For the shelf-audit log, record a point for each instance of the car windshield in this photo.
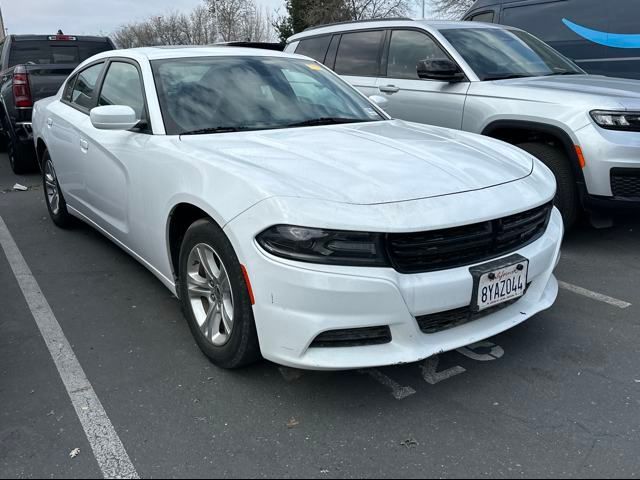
(226, 94)
(496, 54)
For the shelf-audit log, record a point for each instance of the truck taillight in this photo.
(21, 89)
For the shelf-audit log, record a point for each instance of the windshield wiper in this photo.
(206, 131)
(563, 73)
(506, 77)
(325, 121)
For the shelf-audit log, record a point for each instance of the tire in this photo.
(21, 158)
(53, 197)
(219, 312)
(566, 199)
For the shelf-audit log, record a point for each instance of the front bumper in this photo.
(295, 303)
(607, 151)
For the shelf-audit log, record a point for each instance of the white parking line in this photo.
(398, 391)
(107, 448)
(594, 295)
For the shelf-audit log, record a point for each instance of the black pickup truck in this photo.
(33, 67)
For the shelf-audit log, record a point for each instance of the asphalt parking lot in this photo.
(556, 397)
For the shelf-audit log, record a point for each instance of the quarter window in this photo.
(123, 86)
(359, 54)
(68, 89)
(407, 48)
(84, 89)
(315, 48)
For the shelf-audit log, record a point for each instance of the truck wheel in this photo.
(22, 160)
(567, 195)
(215, 298)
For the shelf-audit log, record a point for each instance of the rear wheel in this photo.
(53, 195)
(21, 158)
(567, 194)
(215, 298)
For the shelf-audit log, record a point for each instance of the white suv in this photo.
(501, 82)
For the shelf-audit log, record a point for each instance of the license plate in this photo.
(499, 282)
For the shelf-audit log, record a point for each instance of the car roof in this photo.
(166, 53)
(426, 24)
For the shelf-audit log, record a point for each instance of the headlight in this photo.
(629, 121)
(334, 247)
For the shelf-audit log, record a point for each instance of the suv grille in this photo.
(356, 337)
(625, 182)
(468, 245)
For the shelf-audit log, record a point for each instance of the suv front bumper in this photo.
(609, 154)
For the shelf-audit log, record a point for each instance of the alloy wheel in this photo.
(210, 294)
(53, 190)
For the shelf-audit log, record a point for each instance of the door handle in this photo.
(390, 89)
(84, 145)
(49, 122)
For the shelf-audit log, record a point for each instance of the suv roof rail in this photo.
(351, 22)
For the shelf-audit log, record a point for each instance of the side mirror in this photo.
(114, 117)
(379, 100)
(443, 69)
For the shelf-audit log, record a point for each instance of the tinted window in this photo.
(253, 93)
(315, 48)
(483, 17)
(84, 89)
(47, 53)
(407, 49)
(359, 53)
(122, 86)
(496, 54)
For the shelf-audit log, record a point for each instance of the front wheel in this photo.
(53, 195)
(215, 297)
(566, 198)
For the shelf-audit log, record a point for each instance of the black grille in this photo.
(439, 322)
(625, 182)
(468, 245)
(356, 337)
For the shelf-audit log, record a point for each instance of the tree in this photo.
(453, 9)
(211, 22)
(302, 14)
(240, 20)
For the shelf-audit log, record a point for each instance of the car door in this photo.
(414, 99)
(66, 120)
(358, 59)
(110, 156)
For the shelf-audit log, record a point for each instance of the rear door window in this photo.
(315, 48)
(359, 54)
(84, 89)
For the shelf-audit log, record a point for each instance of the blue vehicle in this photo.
(603, 37)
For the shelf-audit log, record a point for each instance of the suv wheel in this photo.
(215, 298)
(567, 195)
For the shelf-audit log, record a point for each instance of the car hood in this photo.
(617, 92)
(366, 163)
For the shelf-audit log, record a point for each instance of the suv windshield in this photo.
(226, 94)
(496, 54)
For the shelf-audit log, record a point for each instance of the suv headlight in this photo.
(333, 247)
(628, 121)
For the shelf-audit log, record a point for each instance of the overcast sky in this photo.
(85, 17)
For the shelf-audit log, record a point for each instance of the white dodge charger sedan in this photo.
(291, 215)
